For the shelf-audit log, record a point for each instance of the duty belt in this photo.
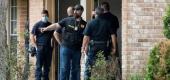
(99, 42)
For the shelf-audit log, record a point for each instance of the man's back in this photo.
(112, 19)
(99, 29)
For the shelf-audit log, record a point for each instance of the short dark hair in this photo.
(45, 12)
(99, 11)
(79, 7)
(105, 6)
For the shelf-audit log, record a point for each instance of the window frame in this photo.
(12, 34)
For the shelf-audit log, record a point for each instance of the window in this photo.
(13, 25)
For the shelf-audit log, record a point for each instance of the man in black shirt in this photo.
(112, 19)
(109, 16)
(115, 24)
(42, 43)
(70, 12)
(96, 35)
(70, 50)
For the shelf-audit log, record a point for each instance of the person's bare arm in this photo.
(33, 40)
(113, 43)
(50, 27)
(57, 36)
(86, 40)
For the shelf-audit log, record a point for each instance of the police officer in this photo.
(42, 42)
(70, 50)
(96, 36)
(58, 36)
(112, 19)
(109, 16)
(70, 12)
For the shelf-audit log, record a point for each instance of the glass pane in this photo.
(13, 27)
(13, 13)
(13, 46)
(13, 2)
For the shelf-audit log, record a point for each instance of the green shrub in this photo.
(105, 70)
(166, 22)
(158, 67)
(99, 68)
(136, 77)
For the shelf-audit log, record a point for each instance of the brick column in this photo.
(22, 19)
(21, 23)
(141, 28)
(35, 8)
(125, 67)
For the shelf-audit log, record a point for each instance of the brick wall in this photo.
(21, 22)
(141, 28)
(22, 19)
(35, 8)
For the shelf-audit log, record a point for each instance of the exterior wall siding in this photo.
(141, 29)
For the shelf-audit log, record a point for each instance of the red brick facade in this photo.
(22, 19)
(141, 28)
(35, 8)
(22, 16)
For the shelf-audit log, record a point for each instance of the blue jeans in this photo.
(91, 58)
(43, 60)
(69, 64)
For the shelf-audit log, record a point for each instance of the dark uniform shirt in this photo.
(112, 19)
(42, 38)
(60, 30)
(99, 29)
(115, 24)
(72, 33)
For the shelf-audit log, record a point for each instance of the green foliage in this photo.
(105, 70)
(158, 67)
(99, 69)
(15, 64)
(136, 77)
(152, 66)
(166, 22)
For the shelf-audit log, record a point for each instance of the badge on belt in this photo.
(82, 26)
(75, 28)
